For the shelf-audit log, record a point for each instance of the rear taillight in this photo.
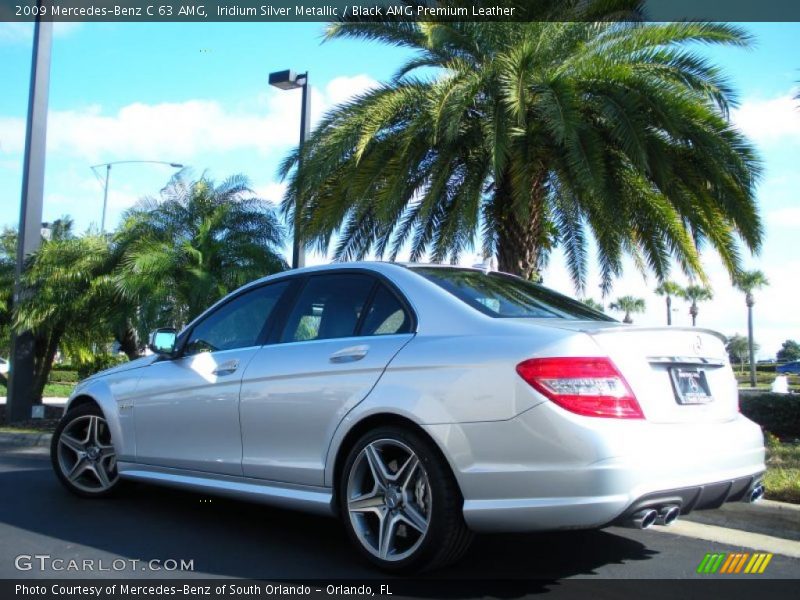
(590, 386)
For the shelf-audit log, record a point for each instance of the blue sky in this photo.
(197, 94)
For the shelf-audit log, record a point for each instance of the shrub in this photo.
(61, 375)
(778, 414)
(100, 362)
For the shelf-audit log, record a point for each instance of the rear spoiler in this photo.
(624, 327)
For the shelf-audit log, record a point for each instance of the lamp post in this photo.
(289, 80)
(108, 165)
(20, 381)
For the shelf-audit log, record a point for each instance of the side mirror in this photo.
(162, 341)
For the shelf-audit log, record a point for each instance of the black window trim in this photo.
(276, 322)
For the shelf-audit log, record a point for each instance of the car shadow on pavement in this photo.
(238, 539)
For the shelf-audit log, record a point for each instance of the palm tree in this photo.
(194, 244)
(530, 135)
(61, 303)
(748, 282)
(668, 289)
(629, 305)
(737, 348)
(694, 294)
(592, 303)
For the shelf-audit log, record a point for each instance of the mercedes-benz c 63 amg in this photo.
(421, 404)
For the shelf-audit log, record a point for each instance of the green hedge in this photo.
(100, 362)
(60, 375)
(777, 413)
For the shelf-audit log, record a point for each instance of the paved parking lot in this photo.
(234, 539)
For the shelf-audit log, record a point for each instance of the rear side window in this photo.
(328, 307)
(385, 315)
(504, 296)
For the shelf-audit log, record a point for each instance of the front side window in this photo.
(328, 307)
(237, 324)
(501, 295)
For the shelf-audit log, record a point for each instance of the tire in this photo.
(414, 498)
(82, 453)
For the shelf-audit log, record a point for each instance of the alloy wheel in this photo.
(389, 499)
(86, 455)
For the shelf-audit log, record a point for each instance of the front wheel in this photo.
(83, 455)
(400, 503)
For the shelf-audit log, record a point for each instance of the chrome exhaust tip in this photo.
(756, 494)
(667, 515)
(642, 519)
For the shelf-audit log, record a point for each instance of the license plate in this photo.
(691, 386)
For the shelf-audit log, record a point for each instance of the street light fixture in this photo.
(289, 80)
(108, 165)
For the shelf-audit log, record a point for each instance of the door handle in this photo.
(226, 368)
(351, 354)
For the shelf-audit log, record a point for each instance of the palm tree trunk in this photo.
(44, 362)
(693, 311)
(518, 243)
(750, 345)
(128, 342)
(669, 310)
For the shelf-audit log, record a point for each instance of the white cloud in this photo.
(180, 131)
(769, 120)
(788, 217)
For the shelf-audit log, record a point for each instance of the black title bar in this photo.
(401, 10)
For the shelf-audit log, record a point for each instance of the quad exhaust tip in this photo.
(756, 494)
(643, 519)
(667, 515)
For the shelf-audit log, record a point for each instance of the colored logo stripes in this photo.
(734, 562)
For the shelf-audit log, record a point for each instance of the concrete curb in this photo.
(767, 517)
(25, 440)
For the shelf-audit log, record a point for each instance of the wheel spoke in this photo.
(94, 430)
(409, 514)
(406, 473)
(100, 473)
(369, 502)
(77, 469)
(380, 473)
(71, 443)
(386, 533)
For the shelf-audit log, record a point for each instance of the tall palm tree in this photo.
(531, 135)
(629, 305)
(669, 289)
(696, 293)
(748, 282)
(194, 244)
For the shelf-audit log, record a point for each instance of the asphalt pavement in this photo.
(224, 538)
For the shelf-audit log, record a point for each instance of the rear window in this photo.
(504, 296)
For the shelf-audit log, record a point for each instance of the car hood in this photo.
(144, 361)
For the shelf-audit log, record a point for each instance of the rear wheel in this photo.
(83, 455)
(401, 505)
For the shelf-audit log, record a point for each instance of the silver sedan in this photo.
(421, 404)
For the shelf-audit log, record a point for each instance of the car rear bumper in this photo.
(548, 469)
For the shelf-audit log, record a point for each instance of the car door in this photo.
(186, 410)
(341, 332)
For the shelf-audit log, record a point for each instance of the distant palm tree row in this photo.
(745, 281)
(170, 258)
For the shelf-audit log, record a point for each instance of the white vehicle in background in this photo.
(3, 366)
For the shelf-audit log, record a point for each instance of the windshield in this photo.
(504, 296)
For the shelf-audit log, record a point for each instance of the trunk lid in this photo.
(678, 374)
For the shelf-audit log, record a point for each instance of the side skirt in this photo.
(316, 500)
